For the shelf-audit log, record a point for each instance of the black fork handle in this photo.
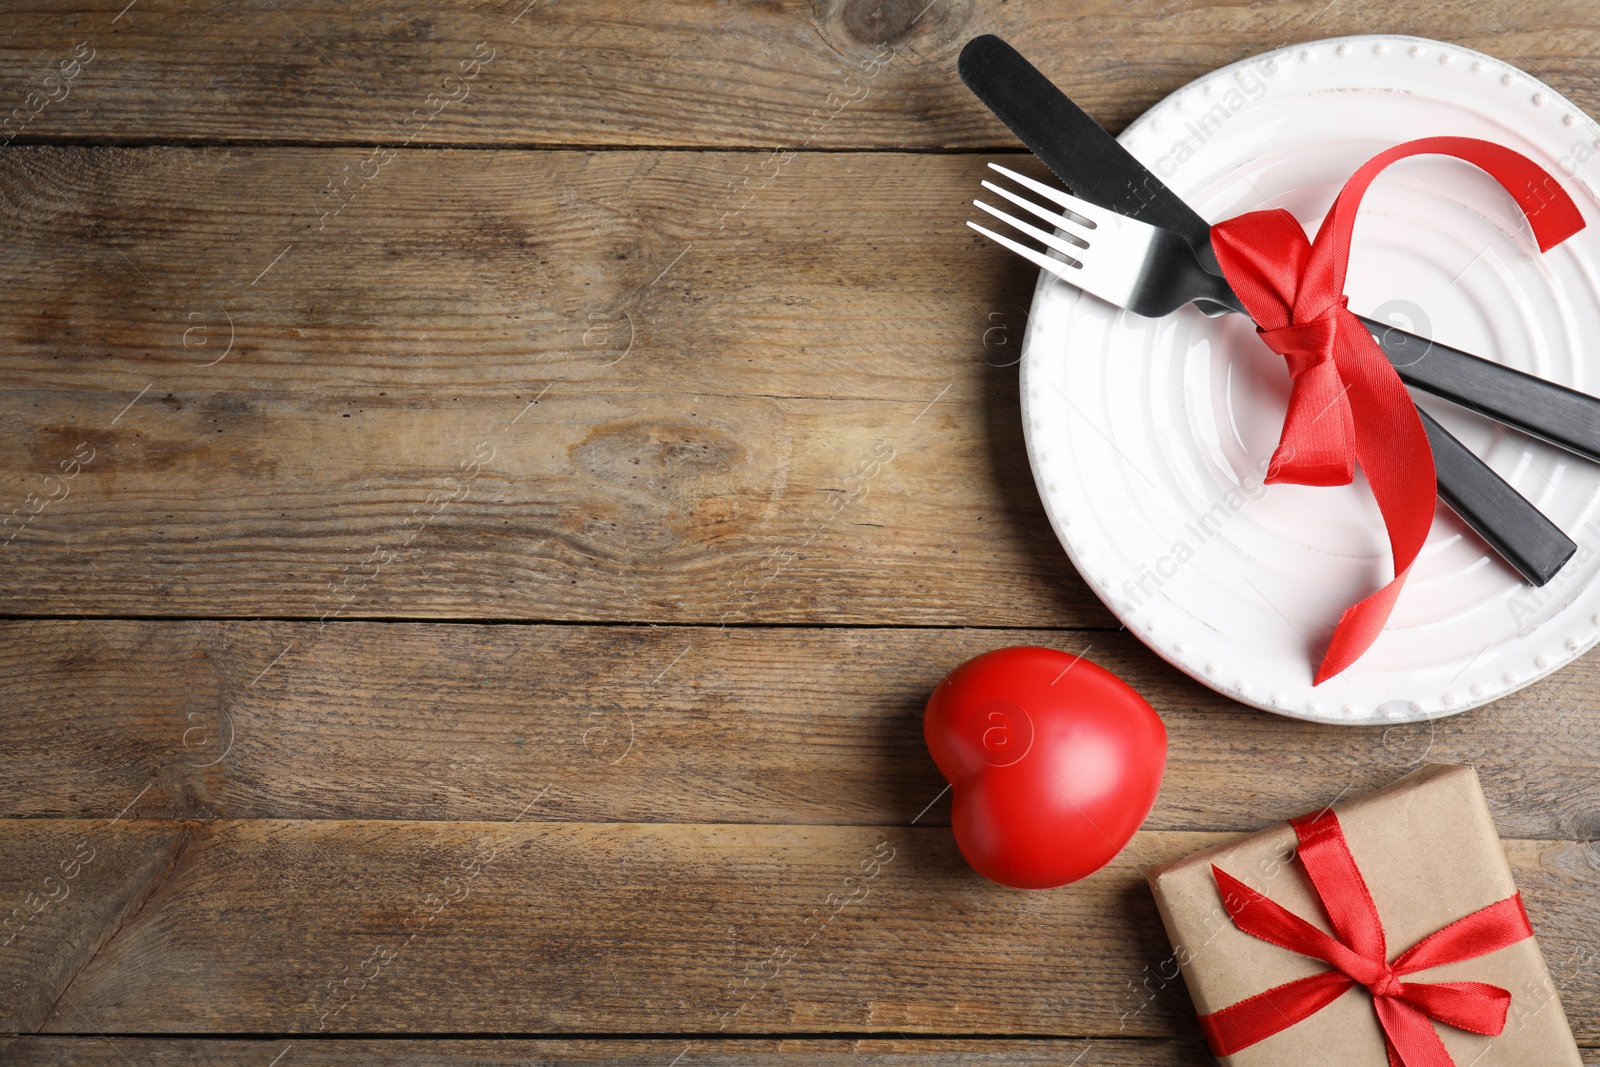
(1555, 413)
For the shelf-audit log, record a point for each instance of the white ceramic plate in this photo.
(1148, 437)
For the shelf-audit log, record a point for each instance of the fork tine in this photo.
(1095, 216)
(1059, 221)
(1039, 259)
(1073, 252)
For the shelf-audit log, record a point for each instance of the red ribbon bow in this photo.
(1361, 956)
(1347, 404)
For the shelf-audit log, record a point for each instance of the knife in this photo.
(1096, 167)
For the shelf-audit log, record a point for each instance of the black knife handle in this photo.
(1516, 529)
(1565, 417)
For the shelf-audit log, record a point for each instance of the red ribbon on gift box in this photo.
(1347, 404)
(1360, 954)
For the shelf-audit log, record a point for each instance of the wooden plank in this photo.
(662, 724)
(375, 927)
(95, 1051)
(66, 890)
(850, 74)
(514, 385)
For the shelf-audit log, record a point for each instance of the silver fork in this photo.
(1148, 270)
(1152, 271)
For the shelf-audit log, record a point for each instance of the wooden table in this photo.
(497, 483)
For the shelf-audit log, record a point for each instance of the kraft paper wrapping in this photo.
(1428, 850)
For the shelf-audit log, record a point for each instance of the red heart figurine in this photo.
(1053, 762)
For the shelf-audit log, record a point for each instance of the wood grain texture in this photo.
(296, 370)
(66, 890)
(662, 724)
(285, 927)
(690, 73)
(515, 385)
(95, 1051)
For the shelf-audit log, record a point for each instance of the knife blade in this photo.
(1096, 167)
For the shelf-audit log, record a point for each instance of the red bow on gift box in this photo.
(1348, 403)
(1361, 957)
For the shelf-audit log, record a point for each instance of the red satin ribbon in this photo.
(1347, 404)
(1359, 953)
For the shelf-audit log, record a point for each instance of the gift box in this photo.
(1385, 930)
